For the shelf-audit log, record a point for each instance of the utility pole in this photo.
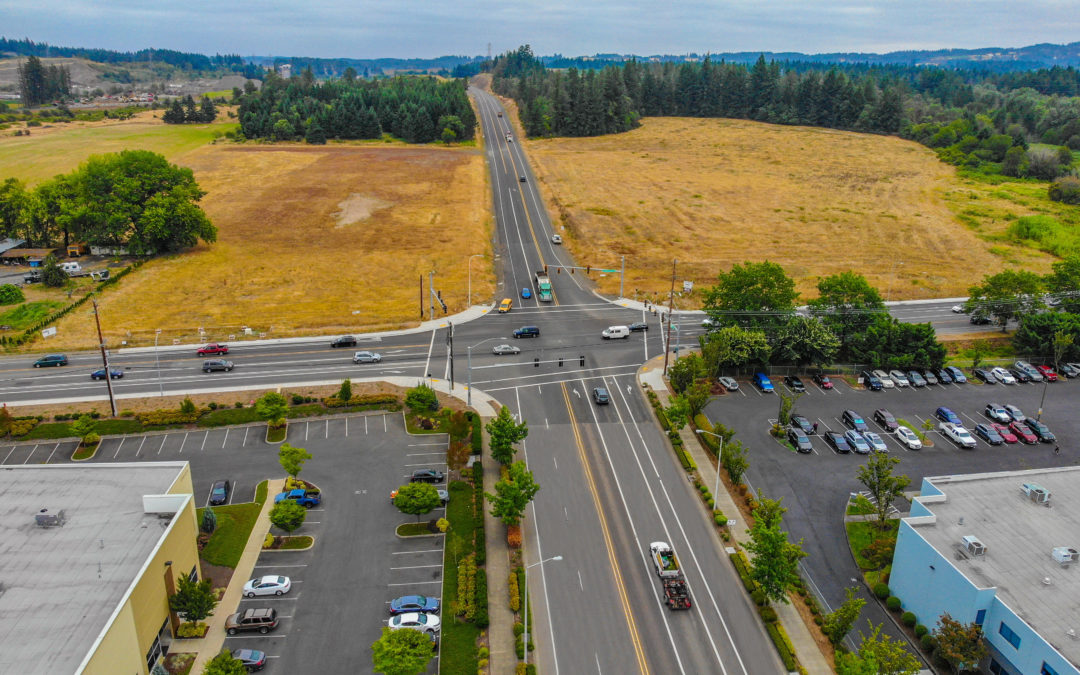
(671, 306)
(421, 297)
(431, 296)
(622, 276)
(105, 359)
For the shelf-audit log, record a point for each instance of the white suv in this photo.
(556, 239)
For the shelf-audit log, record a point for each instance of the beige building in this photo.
(88, 557)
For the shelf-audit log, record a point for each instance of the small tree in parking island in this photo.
(504, 432)
(287, 515)
(84, 428)
(225, 664)
(292, 459)
(416, 499)
(196, 600)
(401, 652)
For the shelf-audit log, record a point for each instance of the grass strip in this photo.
(277, 435)
(260, 493)
(459, 655)
(412, 529)
(234, 525)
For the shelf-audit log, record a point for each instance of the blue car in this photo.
(414, 603)
(957, 374)
(526, 293)
(762, 382)
(946, 415)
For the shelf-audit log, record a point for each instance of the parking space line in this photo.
(162, 443)
(257, 637)
(140, 446)
(365, 424)
(417, 583)
(205, 436)
(307, 425)
(428, 464)
(825, 424)
(423, 454)
(384, 424)
(419, 445)
(119, 446)
(327, 427)
(8, 455)
(973, 420)
(224, 440)
(265, 566)
(415, 567)
(246, 430)
(429, 550)
(182, 442)
(31, 454)
(52, 453)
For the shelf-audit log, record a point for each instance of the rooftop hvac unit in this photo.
(46, 519)
(973, 545)
(1065, 555)
(1036, 493)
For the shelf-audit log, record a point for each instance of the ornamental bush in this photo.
(893, 603)
(908, 619)
(881, 590)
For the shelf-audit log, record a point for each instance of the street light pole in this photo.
(474, 255)
(1046, 382)
(719, 457)
(525, 633)
(157, 361)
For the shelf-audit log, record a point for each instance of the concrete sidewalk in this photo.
(210, 646)
(806, 648)
(502, 659)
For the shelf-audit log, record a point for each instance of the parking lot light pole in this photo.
(468, 350)
(719, 455)
(1046, 382)
(474, 255)
(525, 633)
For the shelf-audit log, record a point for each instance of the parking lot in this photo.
(342, 587)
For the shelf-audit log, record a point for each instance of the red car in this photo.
(1048, 373)
(1023, 433)
(1003, 431)
(823, 381)
(213, 348)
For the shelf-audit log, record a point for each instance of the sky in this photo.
(424, 29)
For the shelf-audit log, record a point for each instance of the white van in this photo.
(613, 332)
(70, 267)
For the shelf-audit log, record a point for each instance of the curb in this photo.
(416, 536)
(92, 454)
(291, 550)
(267, 436)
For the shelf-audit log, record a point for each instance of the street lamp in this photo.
(468, 392)
(474, 255)
(525, 633)
(157, 360)
(719, 455)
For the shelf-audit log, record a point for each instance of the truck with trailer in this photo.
(676, 591)
(543, 287)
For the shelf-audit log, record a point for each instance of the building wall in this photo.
(118, 652)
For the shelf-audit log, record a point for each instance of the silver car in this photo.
(857, 442)
(875, 441)
(728, 383)
(366, 357)
(886, 381)
(899, 378)
(505, 349)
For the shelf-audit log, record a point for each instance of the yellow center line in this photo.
(631, 623)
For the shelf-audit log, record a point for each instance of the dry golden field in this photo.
(714, 192)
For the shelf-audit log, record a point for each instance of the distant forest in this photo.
(414, 109)
(183, 60)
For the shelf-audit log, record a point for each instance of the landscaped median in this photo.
(465, 600)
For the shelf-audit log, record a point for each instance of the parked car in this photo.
(556, 239)
(414, 603)
(217, 364)
(728, 383)
(877, 443)
(1003, 376)
(526, 293)
(1075, 368)
(822, 380)
(429, 623)
(219, 493)
(366, 357)
(1036, 376)
(801, 422)
(1023, 433)
(762, 381)
(1019, 375)
(854, 420)
(51, 360)
(944, 376)
(885, 418)
(837, 441)
(344, 341)
(500, 350)
(898, 378)
(708, 322)
(1048, 373)
(946, 415)
(639, 326)
(957, 434)
(252, 659)
(997, 412)
(908, 438)
(985, 375)
(212, 349)
(886, 381)
(929, 376)
(261, 620)
(871, 381)
(857, 442)
(114, 374)
(988, 434)
(426, 476)
(1040, 430)
(958, 376)
(1068, 370)
(1015, 414)
(268, 585)
(795, 384)
(916, 379)
(600, 396)
(799, 440)
(1005, 432)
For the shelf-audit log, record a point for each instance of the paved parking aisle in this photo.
(40, 452)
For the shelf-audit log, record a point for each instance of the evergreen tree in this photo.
(191, 113)
(207, 110)
(175, 113)
(315, 134)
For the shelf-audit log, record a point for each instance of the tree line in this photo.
(183, 60)
(414, 109)
(134, 199)
(39, 83)
(182, 111)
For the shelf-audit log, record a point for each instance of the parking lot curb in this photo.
(92, 454)
(292, 550)
(418, 536)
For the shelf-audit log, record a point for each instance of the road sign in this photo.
(687, 286)
(48, 332)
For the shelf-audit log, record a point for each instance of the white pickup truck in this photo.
(663, 557)
(957, 434)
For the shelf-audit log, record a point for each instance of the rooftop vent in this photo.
(44, 518)
(973, 545)
(1065, 555)
(1036, 493)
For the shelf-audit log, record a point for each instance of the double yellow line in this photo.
(631, 623)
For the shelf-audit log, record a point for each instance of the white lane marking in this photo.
(427, 550)
(246, 430)
(31, 454)
(52, 453)
(162, 443)
(415, 567)
(119, 446)
(224, 440)
(140, 446)
(415, 583)
(203, 446)
(427, 363)
(181, 442)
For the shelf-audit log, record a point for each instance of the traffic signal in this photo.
(560, 362)
(536, 362)
(581, 361)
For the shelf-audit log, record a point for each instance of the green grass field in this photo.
(458, 637)
(234, 524)
(27, 314)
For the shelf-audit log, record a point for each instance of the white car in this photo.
(958, 309)
(957, 434)
(886, 381)
(997, 413)
(429, 623)
(899, 378)
(505, 349)
(1003, 376)
(268, 585)
(556, 239)
(908, 438)
(876, 442)
(708, 322)
(366, 357)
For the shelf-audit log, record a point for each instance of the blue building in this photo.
(999, 549)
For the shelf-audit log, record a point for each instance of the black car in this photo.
(219, 493)
(837, 441)
(253, 659)
(979, 319)
(885, 419)
(795, 384)
(1040, 430)
(640, 325)
(1019, 375)
(426, 476)
(527, 331)
(344, 341)
(51, 360)
(854, 420)
(944, 377)
(802, 423)
(799, 440)
(871, 381)
(988, 434)
(600, 396)
(114, 373)
(217, 364)
(984, 375)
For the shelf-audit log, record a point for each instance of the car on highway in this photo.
(1023, 433)
(267, 585)
(997, 413)
(871, 381)
(114, 373)
(886, 381)
(500, 350)
(556, 239)
(527, 331)
(957, 434)
(414, 603)
(521, 179)
(1047, 372)
(254, 620)
(728, 383)
(219, 493)
(957, 375)
(526, 293)
(1015, 414)
(857, 442)
(1033, 372)
(958, 309)
(1005, 432)
(946, 415)
(708, 322)
(854, 420)
(762, 382)
(638, 326)
(800, 422)
(822, 380)
(929, 376)
(213, 365)
(984, 375)
(252, 659)
(1019, 375)
(877, 443)
(837, 441)
(795, 384)
(898, 378)
(908, 438)
(506, 305)
(367, 357)
(916, 379)
(799, 440)
(885, 419)
(979, 319)
(212, 349)
(944, 377)
(51, 360)
(1003, 376)
(600, 396)
(429, 623)
(343, 341)
(426, 476)
(1041, 430)
(988, 433)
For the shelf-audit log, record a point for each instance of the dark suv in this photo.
(344, 341)
(51, 360)
(854, 420)
(871, 381)
(426, 476)
(263, 620)
(527, 331)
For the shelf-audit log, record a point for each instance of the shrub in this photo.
(164, 417)
(189, 630)
(515, 592)
(91, 439)
(187, 407)
(768, 614)
(297, 399)
(483, 653)
(893, 603)
(481, 600)
(513, 536)
(268, 541)
(720, 519)
(758, 596)
(881, 590)
(519, 628)
(11, 294)
(422, 398)
(926, 643)
(908, 619)
(238, 404)
(1066, 190)
(783, 646)
(921, 630)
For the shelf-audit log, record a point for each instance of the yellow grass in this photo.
(714, 192)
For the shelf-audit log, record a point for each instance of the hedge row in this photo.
(466, 579)
(673, 435)
(157, 417)
(477, 433)
(362, 399)
(479, 538)
(481, 599)
(742, 566)
(783, 646)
